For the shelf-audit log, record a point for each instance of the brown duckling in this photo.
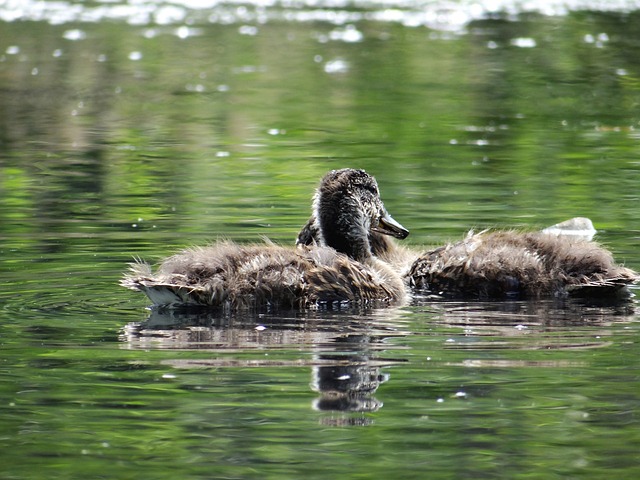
(560, 260)
(511, 264)
(340, 268)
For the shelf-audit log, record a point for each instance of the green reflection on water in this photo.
(226, 135)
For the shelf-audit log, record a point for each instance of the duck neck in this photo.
(343, 227)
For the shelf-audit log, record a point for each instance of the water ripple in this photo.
(449, 16)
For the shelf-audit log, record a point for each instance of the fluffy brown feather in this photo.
(250, 276)
(514, 264)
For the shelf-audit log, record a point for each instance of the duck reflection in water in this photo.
(339, 268)
(346, 362)
(347, 388)
(347, 352)
(348, 382)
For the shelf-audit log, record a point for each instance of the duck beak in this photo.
(388, 226)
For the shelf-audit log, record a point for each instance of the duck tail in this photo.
(614, 284)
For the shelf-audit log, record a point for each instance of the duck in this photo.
(509, 264)
(339, 268)
(383, 247)
(559, 261)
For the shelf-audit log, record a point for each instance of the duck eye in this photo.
(371, 189)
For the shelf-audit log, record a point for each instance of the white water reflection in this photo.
(438, 14)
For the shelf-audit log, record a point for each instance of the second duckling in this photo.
(510, 264)
(561, 260)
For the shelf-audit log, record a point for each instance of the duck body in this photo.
(339, 268)
(510, 264)
(252, 276)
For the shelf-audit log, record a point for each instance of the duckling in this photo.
(383, 247)
(340, 268)
(510, 264)
(558, 261)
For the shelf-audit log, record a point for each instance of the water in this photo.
(139, 133)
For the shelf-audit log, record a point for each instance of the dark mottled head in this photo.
(347, 209)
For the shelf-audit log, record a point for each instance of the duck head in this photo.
(347, 208)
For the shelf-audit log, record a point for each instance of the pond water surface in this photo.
(135, 129)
